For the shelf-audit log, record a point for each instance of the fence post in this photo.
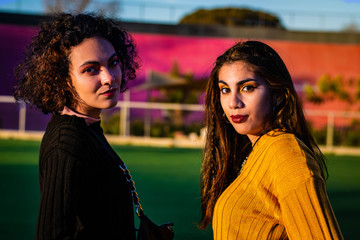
(330, 130)
(22, 117)
(147, 121)
(124, 115)
(147, 117)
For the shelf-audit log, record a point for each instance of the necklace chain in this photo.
(242, 165)
(134, 194)
(252, 147)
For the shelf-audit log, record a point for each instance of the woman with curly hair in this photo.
(262, 172)
(74, 67)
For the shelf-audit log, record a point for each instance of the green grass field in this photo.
(167, 181)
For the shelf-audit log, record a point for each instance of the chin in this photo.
(240, 131)
(243, 131)
(113, 104)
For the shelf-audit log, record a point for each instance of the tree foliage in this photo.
(186, 94)
(330, 88)
(357, 91)
(311, 95)
(77, 6)
(52, 6)
(352, 27)
(232, 17)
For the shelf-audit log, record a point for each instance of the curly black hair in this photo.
(43, 78)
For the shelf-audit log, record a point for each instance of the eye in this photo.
(224, 90)
(91, 70)
(114, 62)
(248, 88)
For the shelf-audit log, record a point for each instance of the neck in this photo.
(255, 140)
(89, 120)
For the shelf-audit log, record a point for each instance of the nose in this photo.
(235, 101)
(107, 78)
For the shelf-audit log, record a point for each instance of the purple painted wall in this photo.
(306, 62)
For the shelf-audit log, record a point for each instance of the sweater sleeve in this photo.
(59, 186)
(305, 208)
(307, 213)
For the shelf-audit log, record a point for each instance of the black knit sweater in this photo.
(84, 194)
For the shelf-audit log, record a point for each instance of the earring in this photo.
(225, 118)
(274, 107)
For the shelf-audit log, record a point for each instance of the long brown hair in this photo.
(225, 149)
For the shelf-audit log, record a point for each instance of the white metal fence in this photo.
(126, 105)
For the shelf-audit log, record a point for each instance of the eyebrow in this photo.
(240, 82)
(97, 63)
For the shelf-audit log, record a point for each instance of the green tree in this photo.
(186, 93)
(232, 17)
(103, 8)
(357, 93)
(311, 95)
(52, 6)
(328, 88)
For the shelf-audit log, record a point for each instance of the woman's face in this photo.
(96, 75)
(245, 99)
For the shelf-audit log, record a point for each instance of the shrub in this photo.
(343, 136)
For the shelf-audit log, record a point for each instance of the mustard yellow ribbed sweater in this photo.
(279, 194)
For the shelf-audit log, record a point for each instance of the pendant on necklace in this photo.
(252, 147)
(242, 165)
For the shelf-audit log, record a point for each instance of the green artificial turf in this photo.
(167, 180)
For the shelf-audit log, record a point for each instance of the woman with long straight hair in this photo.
(263, 175)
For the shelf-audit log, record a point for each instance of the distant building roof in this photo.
(211, 31)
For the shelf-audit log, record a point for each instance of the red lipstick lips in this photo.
(109, 92)
(239, 118)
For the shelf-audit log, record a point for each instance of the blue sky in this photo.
(326, 15)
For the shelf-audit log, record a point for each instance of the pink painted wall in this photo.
(306, 61)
